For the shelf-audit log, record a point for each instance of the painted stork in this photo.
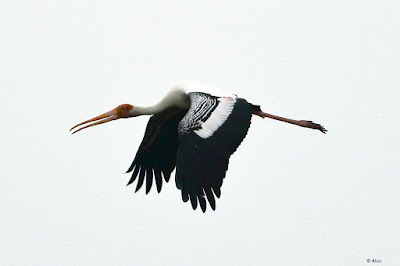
(195, 127)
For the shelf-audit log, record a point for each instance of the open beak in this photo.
(104, 118)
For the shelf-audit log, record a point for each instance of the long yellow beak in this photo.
(104, 118)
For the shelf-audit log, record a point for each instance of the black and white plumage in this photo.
(206, 145)
(198, 140)
(195, 128)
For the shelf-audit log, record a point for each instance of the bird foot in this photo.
(312, 125)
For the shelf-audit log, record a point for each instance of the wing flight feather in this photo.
(209, 134)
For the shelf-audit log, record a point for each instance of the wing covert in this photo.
(209, 134)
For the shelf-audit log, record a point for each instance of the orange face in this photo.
(122, 111)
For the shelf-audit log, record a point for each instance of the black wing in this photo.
(157, 152)
(210, 132)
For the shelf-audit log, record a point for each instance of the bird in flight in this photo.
(196, 128)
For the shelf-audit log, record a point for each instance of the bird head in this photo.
(122, 111)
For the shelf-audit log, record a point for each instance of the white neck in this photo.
(174, 97)
(148, 110)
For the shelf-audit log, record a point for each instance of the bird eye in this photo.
(123, 108)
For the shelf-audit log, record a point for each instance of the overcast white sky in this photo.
(292, 196)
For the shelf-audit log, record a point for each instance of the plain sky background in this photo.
(292, 196)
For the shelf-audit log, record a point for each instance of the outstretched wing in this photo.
(210, 132)
(157, 152)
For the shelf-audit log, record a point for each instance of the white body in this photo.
(178, 95)
(194, 86)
